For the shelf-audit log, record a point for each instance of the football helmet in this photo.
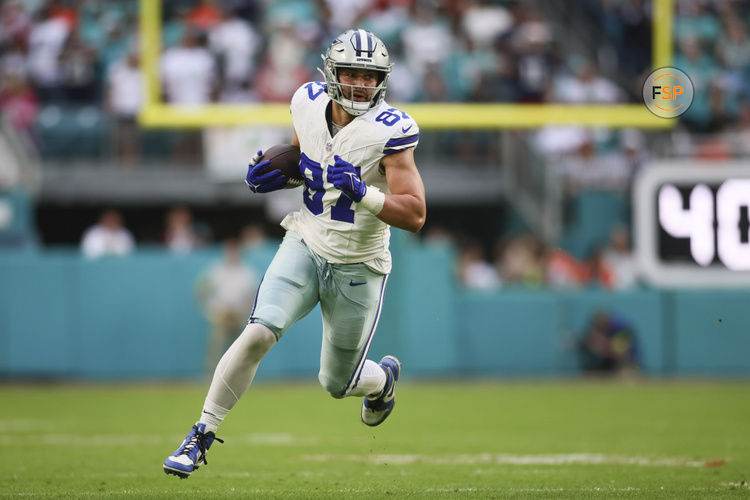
(356, 49)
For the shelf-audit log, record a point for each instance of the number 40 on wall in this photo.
(727, 234)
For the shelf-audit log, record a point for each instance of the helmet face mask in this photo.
(356, 49)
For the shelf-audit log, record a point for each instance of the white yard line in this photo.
(322, 492)
(507, 459)
(269, 439)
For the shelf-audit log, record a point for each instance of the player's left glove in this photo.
(344, 176)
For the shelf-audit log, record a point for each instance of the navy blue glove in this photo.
(263, 182)
(344, 176)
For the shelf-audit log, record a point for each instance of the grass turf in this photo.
(466, 440)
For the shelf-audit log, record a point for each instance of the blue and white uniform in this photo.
(337, 229)
(335, 252)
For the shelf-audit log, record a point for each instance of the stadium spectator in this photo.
(592, 167)
(124, 100)
(225, 292)
(521, 261)
(252, 237)
(18, 103)
(562, 270)
(175, 25)
(79, 72)
(190, 79)
(189, 71)
(181, 233)
(339, 19)
(585, 85)
(14, 59)
(58, 9)
(427, 40)
(597, 271)
(46, 42)
(696, 20)
(15, 23)
(474, 272)
(108, 236)
(695, 61)
(483, 22)
(733, 46)
(235, 44)
(620, 260)
(534, 63)
(205, 15)
(283, 70)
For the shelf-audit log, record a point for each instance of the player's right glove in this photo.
(344, 176)
(260, 181)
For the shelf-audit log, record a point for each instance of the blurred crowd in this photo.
(525, 261)
(181, 234)
(84, 53)
(73, 65)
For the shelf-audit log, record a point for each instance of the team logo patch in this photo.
(329, 147)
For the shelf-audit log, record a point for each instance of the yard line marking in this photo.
(271, 491)
(506, 459)
(271, 439)
(24, 425)
(742, 484)
(276, 438)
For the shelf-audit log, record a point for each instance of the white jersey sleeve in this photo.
(330, 223)
(404, 132)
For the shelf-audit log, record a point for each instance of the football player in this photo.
(357, 159)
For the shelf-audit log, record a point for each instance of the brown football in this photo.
(284, 157)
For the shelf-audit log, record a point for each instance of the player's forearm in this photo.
(404, 211)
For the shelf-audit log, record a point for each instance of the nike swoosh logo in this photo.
(351, 283)
(405, 130)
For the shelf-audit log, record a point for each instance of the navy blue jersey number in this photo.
(314, 191)
(318, 87)
(313, 194)
(390, 116)
(342, 209)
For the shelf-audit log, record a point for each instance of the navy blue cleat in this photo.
(375, 411)
(191, 453)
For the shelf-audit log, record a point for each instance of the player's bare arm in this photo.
(405, 206)
(295, 139)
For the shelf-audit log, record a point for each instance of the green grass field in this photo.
(466, 440)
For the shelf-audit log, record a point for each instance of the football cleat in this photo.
(375, 411)
(191, 453)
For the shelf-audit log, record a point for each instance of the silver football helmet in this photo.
(356, 49)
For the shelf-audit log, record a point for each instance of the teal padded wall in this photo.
(712, 332)
(512, 333)
(64, 316)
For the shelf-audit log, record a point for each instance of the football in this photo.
(285, 157)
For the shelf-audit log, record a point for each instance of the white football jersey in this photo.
(331, 224)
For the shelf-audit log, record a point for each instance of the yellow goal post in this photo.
(158, 114)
